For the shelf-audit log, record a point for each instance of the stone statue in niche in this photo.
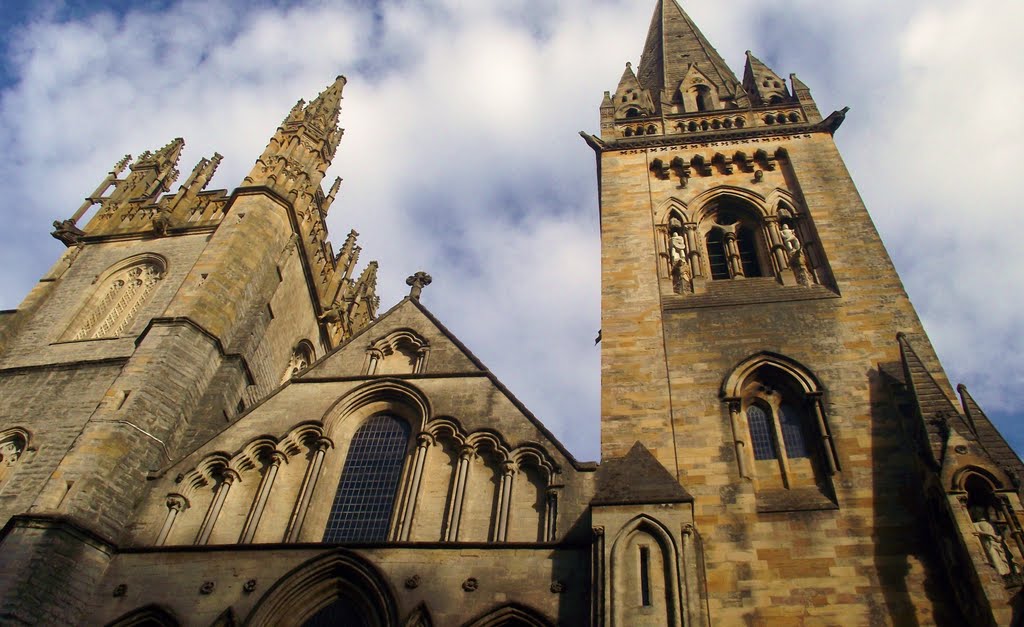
(789, 239)
(9, 453)
(680, 266)
(992, 542)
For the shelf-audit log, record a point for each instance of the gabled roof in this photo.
(988, 436)
(637, 478)
(673, 44)
(935, 409)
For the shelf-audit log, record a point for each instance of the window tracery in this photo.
(302, 357)
(118, 299)
(13, 445)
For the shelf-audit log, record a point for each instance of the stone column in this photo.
(373, 358)
(775, 244)
(732, 253)
(260, 502)
(319, 448)
(738, 433)
(551, 515)
(412, 488)
(176, 504)
(598, 587)
(508, 471)
(458, 492)
(828, 446)
(228, 477)
(692, 250)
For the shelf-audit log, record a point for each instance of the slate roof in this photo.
(637, 478)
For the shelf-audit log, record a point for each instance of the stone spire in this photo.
(295, 169)
(676, 48)
(152, 173)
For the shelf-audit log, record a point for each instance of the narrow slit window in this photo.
(645, 576)
(761, 433)
(362, 506)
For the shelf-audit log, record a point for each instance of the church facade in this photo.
(206, 418)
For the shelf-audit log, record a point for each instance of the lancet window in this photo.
(782, 435)
(117, 301)
(365, 497)
(733, 240)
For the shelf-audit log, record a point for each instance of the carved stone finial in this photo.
(417, 282)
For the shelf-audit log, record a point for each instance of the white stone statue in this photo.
(677, 248)
(789, 239)
(994, 545)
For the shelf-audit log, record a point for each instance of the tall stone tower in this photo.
(204, 420)
(168, 316)
(757, 339)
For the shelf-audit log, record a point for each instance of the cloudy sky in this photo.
(461, 155)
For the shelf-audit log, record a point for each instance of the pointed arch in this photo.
(121, 291)
(340, 575)
(14, 445)
(511, 614)
(398, 395)
(733, 382)
(654, 569)
(963, 475)
(779, 197)
(707, 201)
(147, 616)
(671, 206)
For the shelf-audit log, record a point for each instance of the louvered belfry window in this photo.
(362, 506)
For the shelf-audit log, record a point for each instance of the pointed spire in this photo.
(988, 436)
(674, 46)
(324, 109)
(762, 82)
(331, 195)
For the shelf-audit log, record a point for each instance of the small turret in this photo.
(763, 84)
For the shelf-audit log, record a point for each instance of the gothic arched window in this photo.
(119, 297)
(732, 239)
(363, 503)
(784, 442)
(702, 94)
(761, 438)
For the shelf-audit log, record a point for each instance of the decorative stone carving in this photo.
(414, 582)
(471, 584)
(960, 449)
(207, 587)
(249, 586)
(417, 282)
(162, 222)
(67, 232)
(120, 590)
(996, 551)
(790, 239)
(558, 587)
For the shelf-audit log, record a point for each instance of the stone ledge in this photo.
(798, 500)
(746, 292)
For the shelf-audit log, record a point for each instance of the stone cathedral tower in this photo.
(205, 420)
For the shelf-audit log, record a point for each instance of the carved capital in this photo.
(177, 502)
(598, 532)
(424, 440)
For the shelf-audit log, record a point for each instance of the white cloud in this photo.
(461, 155)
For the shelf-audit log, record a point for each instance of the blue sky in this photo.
(461, 155)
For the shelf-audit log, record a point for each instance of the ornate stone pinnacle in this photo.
(417, 282)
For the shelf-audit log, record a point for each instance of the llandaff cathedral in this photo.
(206, 419)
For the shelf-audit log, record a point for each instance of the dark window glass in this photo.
(791, 421)
(340, 612)
(645, 576)
(366, 492)
(745, 241)
(716, 255)
(761, 433)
